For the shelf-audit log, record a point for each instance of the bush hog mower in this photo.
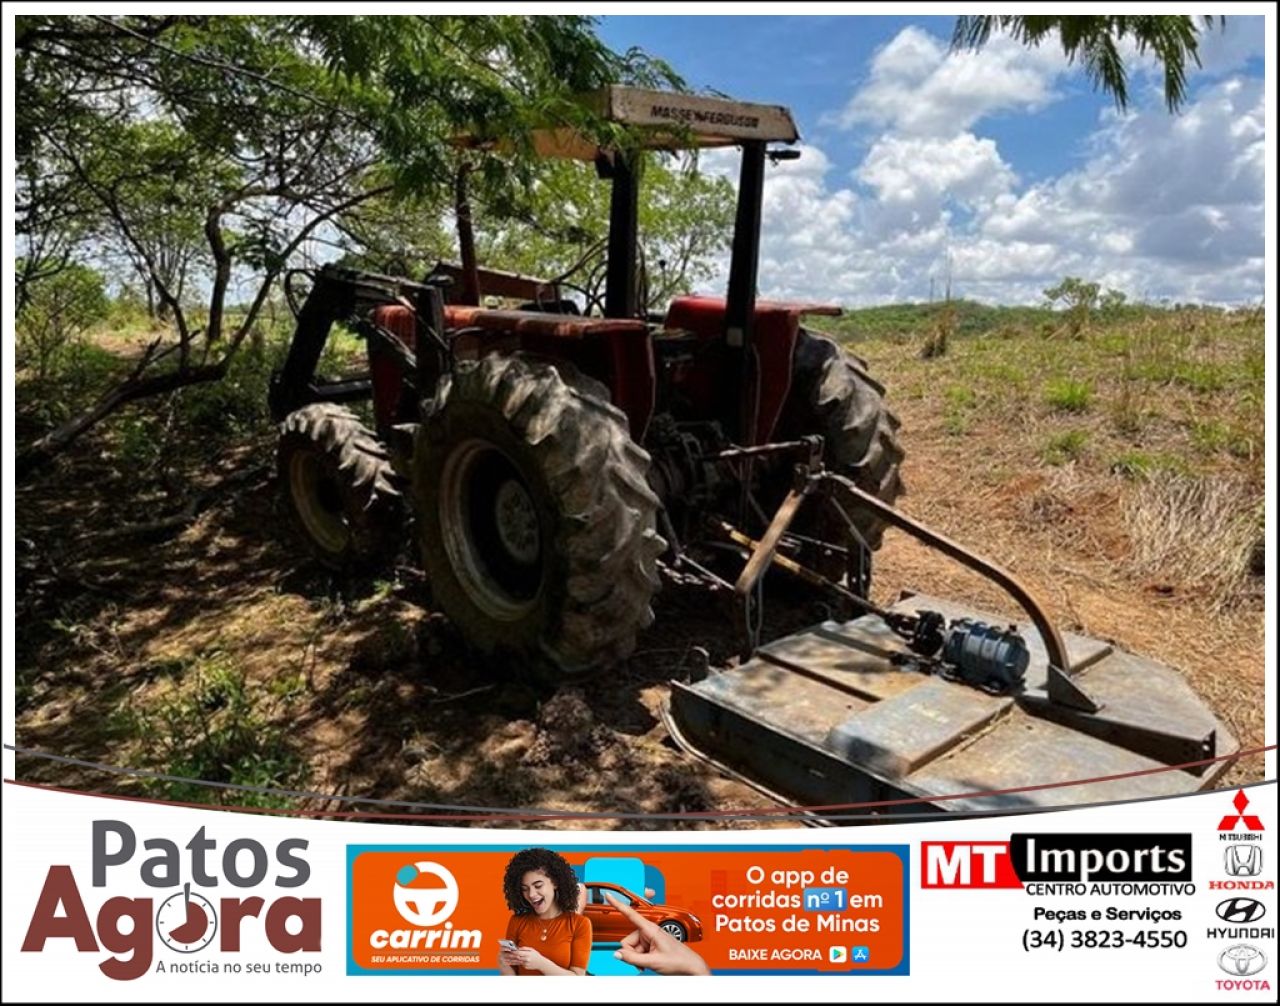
(557, 461)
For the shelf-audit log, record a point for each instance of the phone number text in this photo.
(1101, 939)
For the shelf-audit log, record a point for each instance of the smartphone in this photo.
(508, 945)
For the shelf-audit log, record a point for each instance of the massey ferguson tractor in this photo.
(557, 461)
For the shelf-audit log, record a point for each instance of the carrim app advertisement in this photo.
(1163, 899)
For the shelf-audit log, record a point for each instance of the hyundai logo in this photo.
(1240, 911)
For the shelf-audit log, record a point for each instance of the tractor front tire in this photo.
(832, 394)
(338, 482)
(537, 523)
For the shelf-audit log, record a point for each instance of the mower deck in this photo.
(825, 716)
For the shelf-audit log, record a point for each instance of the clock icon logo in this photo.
(186, 922)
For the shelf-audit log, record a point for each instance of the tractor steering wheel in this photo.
(588, 278)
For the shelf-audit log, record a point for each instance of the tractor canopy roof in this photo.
(663, 120)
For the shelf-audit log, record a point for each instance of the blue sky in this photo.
(1002, 167)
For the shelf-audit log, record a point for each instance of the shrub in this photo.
(237, 403)
(211, 727)
(1068, 395)
(935, 344)
(1063, 447)
(1132, 464)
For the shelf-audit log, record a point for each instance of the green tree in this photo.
(256, 134)
(1079, 299)
(1111, 304)
(560, 222)
(153, 195)
(1094, 41)
(177, 134)
(59, 310)
(394, 235)
(53, 217)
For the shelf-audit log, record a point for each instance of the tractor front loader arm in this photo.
(331, 299)
(337, 295)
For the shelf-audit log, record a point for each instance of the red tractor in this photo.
(554, 460)
(558, 460)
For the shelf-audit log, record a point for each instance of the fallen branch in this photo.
(460, 695)
(43, 450)
(174, 523)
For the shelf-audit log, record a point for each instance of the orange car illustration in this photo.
(608, 925)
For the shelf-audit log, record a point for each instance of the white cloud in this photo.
(809, 243)
(1162, 205)
(808, 231)
(922, 172)
(917, 86)
(1226, 48)
(1185, 189)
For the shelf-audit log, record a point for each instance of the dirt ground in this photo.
(364, 692)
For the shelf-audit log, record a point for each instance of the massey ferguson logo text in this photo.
(185, 920)
(703, 117)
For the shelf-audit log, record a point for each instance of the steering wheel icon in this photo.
(425, 906)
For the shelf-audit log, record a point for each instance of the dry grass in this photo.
(1079, 505)
(1197, 532)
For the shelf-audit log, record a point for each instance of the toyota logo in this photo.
(1240, 911)
(1242, 960)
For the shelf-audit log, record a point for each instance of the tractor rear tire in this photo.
(536, 519)
(832, 394)
(338, 482)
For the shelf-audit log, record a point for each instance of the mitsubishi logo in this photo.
(1251, 822)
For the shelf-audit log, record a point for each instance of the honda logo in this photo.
(1243, 860)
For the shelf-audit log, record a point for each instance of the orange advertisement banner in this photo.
(605, 910)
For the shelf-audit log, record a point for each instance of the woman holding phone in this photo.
(546, 934)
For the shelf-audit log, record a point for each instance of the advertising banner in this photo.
(767, 910)
(1168, 900)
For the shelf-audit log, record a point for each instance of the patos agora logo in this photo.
(170, 892)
